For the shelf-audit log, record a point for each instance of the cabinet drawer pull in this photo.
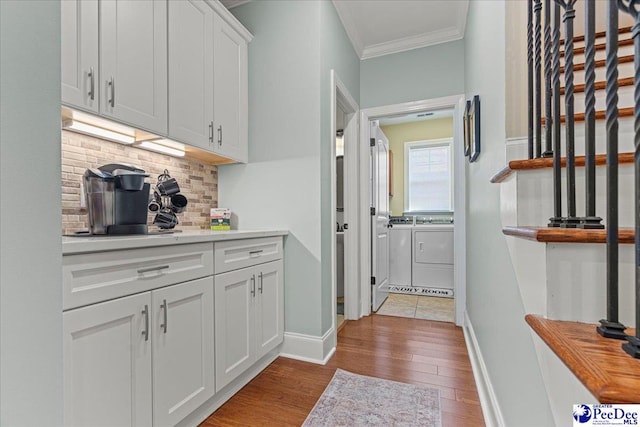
(211, 132)
(254, 253)
(220, 136)
(91, 76)
(260, 287)
(157, 268)
(253, 285)
(164, 308)
(145, 312)
(112, 85)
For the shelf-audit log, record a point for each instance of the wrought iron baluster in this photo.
(538, 77)
(530, 76)
(571, 220)
(631, 7)
(548, 121)
(556, 220)
(611, 327)
(590, 220)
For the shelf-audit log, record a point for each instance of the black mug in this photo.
(168, 187)
(165, 219)
(178, 203)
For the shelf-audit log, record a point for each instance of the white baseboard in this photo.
(488, 401)
(309, 348)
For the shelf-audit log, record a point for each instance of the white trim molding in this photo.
(309, 348)
(488, 401)
(413, 42)
(457, 103)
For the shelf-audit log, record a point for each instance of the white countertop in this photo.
(86, 244)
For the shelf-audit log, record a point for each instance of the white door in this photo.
(191, 72)
(230, 83)
(234, 324)
(79, 49)
(269, 309)
(133, 62)
(183, 368)
(107, 363)
(380, 217)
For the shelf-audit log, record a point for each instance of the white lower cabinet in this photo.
(249, 317)
(182, 332)
(107, 364)
(135, 357)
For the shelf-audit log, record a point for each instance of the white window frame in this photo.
(408, 145)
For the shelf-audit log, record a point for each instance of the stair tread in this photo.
(600, 85)
(600, 63)
(600, 115)
(599, 46)
(567, 235)
(599, 363)
(599, 34)
(547, 163)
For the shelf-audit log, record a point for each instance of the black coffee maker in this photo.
(117, 199)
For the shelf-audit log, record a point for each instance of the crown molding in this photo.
(414, 42)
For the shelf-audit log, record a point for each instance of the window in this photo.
(428, 176)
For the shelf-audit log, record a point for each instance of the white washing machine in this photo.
(432, 265)
(400, 237)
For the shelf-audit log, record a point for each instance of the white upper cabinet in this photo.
(230, 84)
(79, 24)
(191, 72)
(133, 66)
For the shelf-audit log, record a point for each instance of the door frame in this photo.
(340, 96)
(457, 103)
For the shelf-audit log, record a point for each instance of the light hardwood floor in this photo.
(414, 351)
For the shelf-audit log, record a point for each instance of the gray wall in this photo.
(426, 73)
(285, 181)
(30, 219)
(494, 304)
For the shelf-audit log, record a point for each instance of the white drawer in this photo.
(235, 254)
(95, 277)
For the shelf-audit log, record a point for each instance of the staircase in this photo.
(574, 264)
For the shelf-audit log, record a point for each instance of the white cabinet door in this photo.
(133, 67)
(269, 307)
(79, 24)
(234, 320)
(107, 363)
(191, 72)
(230, 92)
(183, 357)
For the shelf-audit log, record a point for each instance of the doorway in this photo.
(454, 107)
(345, 212)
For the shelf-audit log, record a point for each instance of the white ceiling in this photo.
(381, 27)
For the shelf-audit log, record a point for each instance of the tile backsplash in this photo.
(198, 181)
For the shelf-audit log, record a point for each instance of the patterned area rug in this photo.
(357, 400)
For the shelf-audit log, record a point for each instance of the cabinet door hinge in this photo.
(373, 280)
(372, 142)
